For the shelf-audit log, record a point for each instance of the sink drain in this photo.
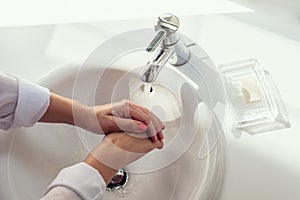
(118, 181)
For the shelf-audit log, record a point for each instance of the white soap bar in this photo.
(250, 90)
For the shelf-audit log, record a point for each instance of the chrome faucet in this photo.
(170, 47)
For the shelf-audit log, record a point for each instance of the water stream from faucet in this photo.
(147, 92)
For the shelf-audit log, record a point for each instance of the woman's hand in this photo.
(104, 119)
(118, 150)
(126, 117)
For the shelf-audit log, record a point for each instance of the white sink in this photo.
(190, 166)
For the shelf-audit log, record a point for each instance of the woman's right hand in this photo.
(118, 150)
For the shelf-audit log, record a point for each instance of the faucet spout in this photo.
(171, 48)
(153, 67)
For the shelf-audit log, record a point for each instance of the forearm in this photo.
(68, 111)
(59, 110)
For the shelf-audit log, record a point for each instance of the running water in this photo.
(147, 91)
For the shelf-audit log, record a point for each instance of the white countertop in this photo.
(262, 167)
(46, 12)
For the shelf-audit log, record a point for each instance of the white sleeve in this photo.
(8, 100)
(78, 182)
(61, 193)
(21, 103)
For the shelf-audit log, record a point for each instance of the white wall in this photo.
(276, 7)
(278, 16)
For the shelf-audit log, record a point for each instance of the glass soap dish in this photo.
(253, 98)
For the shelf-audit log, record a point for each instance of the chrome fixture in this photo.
(170, 47)
(118, 181)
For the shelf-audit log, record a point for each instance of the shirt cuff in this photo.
(33, 101)
(81, 178)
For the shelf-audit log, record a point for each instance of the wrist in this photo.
(106, 172)
(85, 117)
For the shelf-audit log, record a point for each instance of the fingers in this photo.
(159, 144)
(160, 136)
(152, 132)
(133, 144)
(133, 126)
(129, 115)
(129, 125)
(149, 146)
(151, 115)
(154, 124)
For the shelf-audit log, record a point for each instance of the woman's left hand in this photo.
(124, 116)
(104, 119)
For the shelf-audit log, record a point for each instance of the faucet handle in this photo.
(168, 22)
(160, 36)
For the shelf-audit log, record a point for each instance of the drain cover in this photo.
(118, 181)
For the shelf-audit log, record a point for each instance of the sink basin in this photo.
(189, 167)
